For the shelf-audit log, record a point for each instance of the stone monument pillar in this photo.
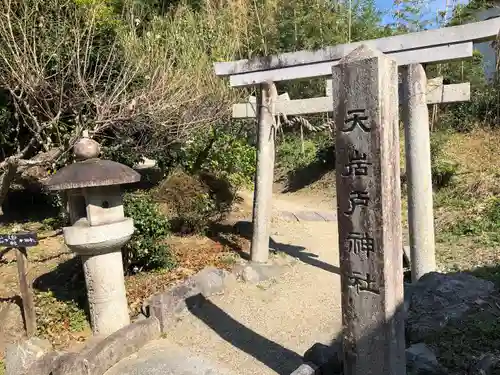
(369, 213)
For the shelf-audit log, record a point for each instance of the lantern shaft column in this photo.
(106, 291)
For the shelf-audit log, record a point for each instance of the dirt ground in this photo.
(60, 293)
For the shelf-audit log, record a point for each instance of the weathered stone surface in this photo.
(19, 357)
(255, 273)
(70, 364)
(139, 317)
(250, 275)
(406, 256)
(45, 364)
(111, 350)
(415, 116)
(328, 215)
(163, 357)
(11, 324)
(369, 212)
(327, 357)
(485, 365)
(308, 216)
(123, 343)
(262, 209)
(287, 215)
(436, 299)
(167, 306)
(213, 281)
(306, 369)
(421, 360)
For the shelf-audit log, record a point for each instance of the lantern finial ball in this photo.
(86, 148)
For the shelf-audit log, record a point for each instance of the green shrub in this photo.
(146, 250)
(483, 110)
(225, 155)
(289, 155)
(195, 201)
(443, 171)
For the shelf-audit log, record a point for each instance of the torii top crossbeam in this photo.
(410, 47)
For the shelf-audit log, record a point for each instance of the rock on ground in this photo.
(436, 299)
(306, 369)
(255, 273)
(485, 365)
(11, 325)
(21, 356)
(165, 358)
(421, 360)
(327, 357)
(167, 305)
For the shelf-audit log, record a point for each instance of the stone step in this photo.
(162, 357)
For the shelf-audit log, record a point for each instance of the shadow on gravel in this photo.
(218, 232)
(276, 357)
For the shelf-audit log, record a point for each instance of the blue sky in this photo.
(432, 7)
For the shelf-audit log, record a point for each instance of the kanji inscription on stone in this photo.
(362, 282)
(357, 166)
(357, 198)
(369, 212)
(360, 243)
(356, 117)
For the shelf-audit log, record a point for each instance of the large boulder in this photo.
(19, 357)
(421, 360)
(11, 325)
(437, 299)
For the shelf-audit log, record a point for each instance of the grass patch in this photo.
(467, 210)
(60, 321)
(291, 154)
(467, 222)
(484, 224)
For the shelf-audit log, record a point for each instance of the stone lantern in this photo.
(98, 230)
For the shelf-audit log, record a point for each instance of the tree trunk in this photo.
(5, 180)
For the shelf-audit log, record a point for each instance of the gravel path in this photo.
(266, 328)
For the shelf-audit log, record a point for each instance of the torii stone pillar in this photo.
(263, 192)
(418, 170)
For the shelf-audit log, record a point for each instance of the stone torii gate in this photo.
(435, 93)
(409, 52)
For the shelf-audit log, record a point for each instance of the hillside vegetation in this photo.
(138, 74)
